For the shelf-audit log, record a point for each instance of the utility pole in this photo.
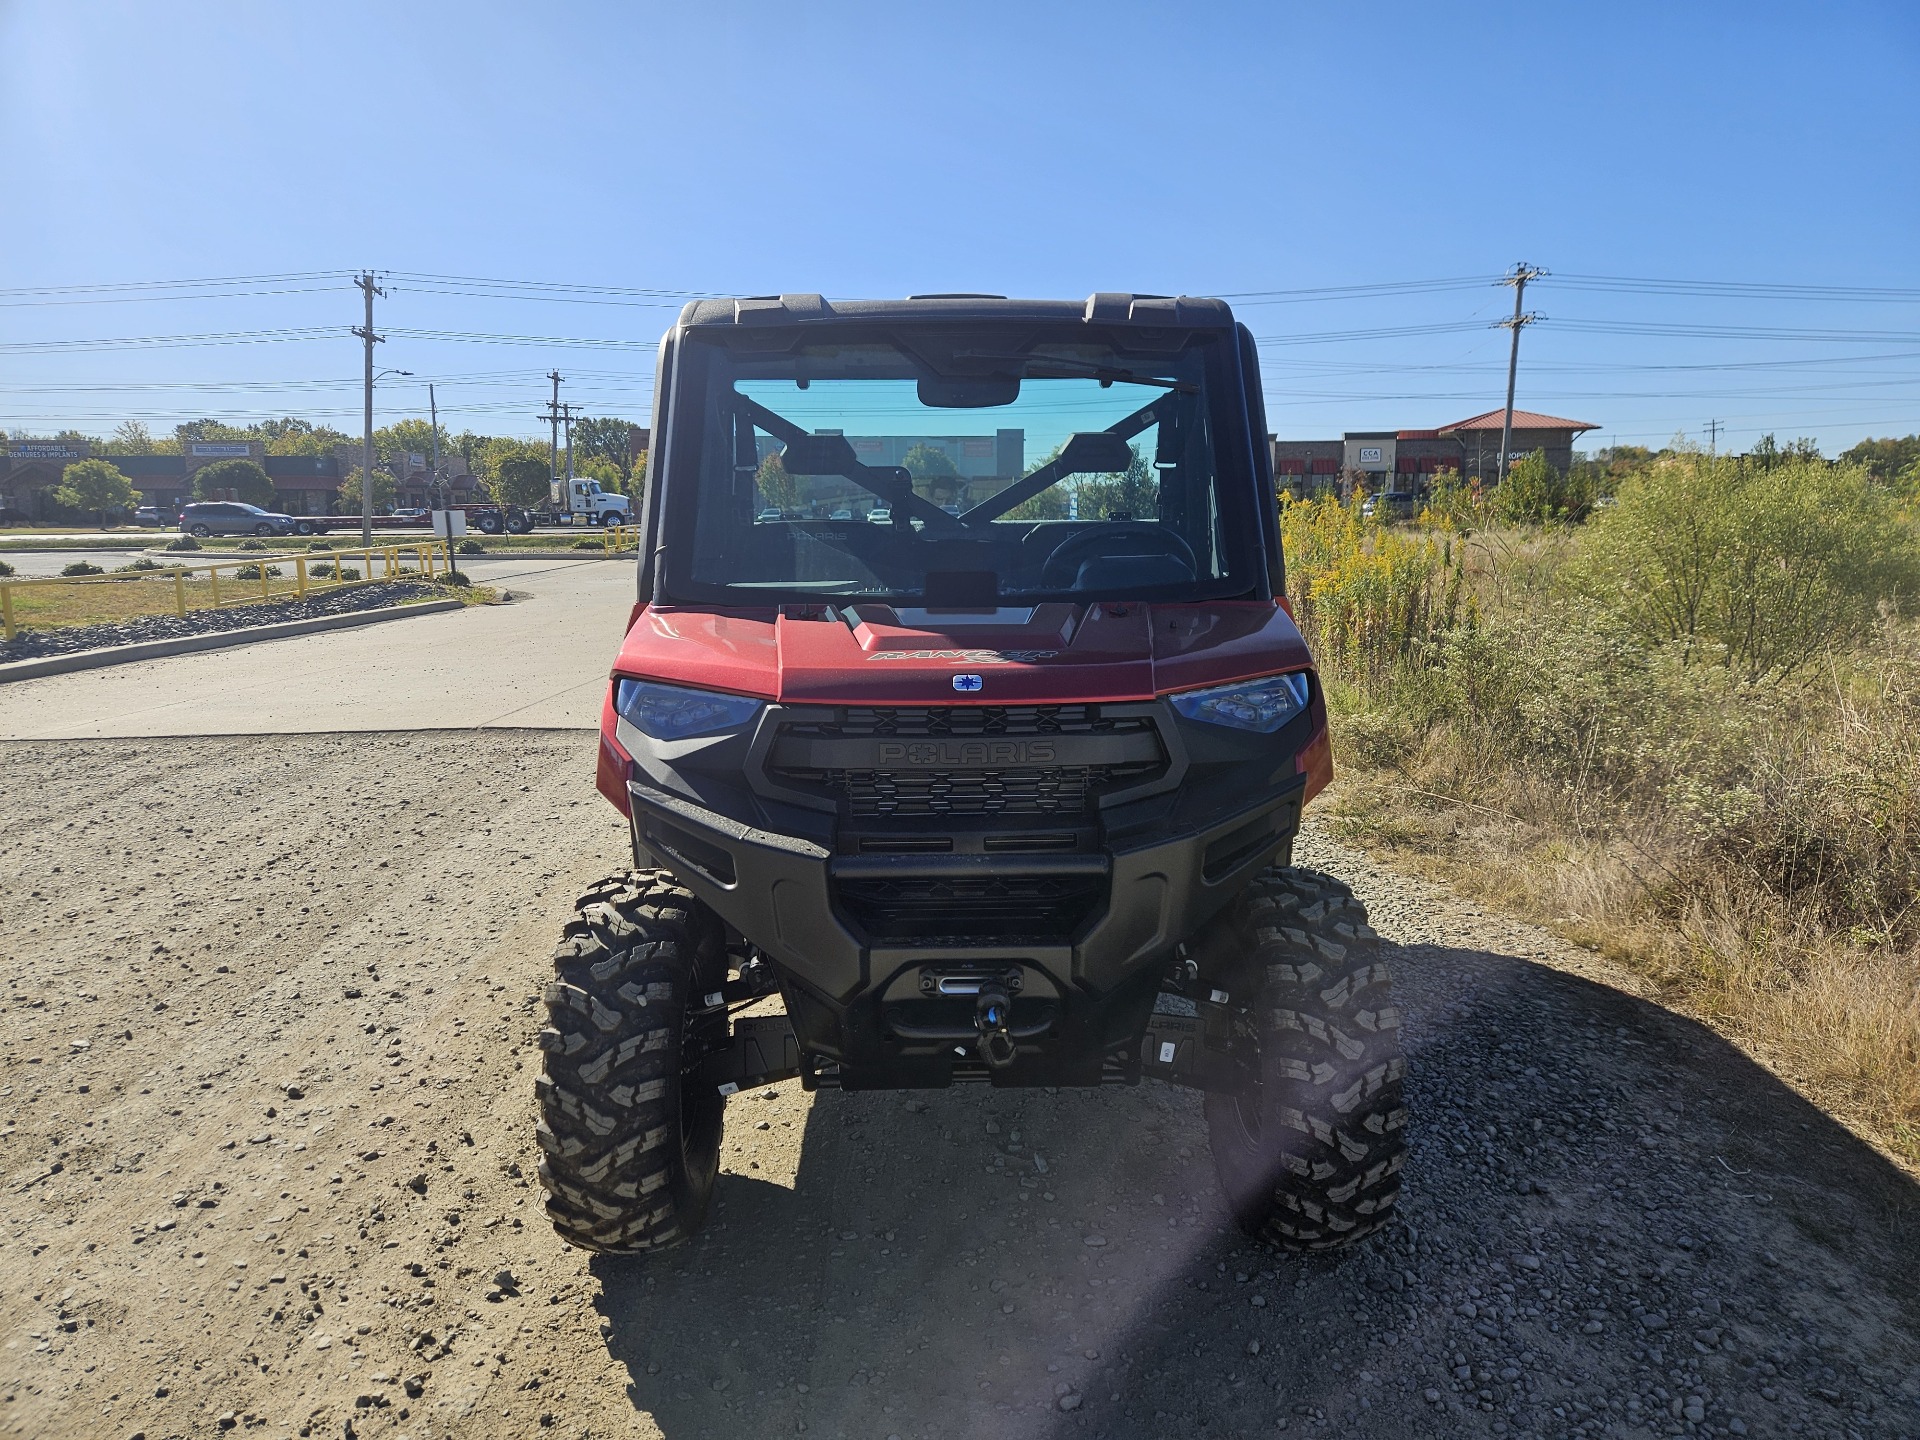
(1712, 427)
(1517, 277)
(566, 419)
(553, 419)
(439, 484)
(366, 285)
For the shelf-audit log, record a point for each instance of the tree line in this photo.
(508, 469)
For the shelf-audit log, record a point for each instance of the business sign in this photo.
(221, 450)
(1370, 454)
(45, 450)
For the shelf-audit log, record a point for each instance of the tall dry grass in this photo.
(1746, 835)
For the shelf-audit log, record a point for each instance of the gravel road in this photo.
(266, 1153)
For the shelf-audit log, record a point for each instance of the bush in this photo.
(1534, 493)
(1762, 570)
(182, 542)
(5, 569)
(454, 577)
(82, 567)
(327, 572)
(589, 545)
(252, 572)
(314, 545)
(472, 547)
(251, 545)
(1368, 599)
(141, 564)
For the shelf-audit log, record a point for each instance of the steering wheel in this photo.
(1062, 567)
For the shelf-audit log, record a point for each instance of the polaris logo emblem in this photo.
(964, 754)
(967, 682)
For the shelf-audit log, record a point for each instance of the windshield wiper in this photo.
(1105, 374)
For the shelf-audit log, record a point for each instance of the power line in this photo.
(1736, 289)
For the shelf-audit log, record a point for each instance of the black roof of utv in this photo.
(1160, 312)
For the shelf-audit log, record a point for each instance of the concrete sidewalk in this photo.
(540, 662)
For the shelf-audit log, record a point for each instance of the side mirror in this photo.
(1095, 453)
(819, 455)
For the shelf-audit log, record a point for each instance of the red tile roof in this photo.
(1522, 420)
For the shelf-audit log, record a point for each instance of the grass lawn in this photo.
(103, 600)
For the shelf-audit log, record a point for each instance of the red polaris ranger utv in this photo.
(962, 711)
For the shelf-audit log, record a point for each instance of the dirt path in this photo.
(266, 1151)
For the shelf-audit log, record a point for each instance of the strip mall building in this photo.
(1410, 459)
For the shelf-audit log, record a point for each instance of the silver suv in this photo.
(231, 517)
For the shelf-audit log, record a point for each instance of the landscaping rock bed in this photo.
(65, 640)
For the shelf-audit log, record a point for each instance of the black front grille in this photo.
(875, 793)
(1044, 909)
(908, 790)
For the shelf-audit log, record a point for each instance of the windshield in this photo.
(957, 470)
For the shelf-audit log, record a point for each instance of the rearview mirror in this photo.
(1094, 453)
(945, 392)
(818, 455)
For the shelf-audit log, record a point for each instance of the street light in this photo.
(366, 460)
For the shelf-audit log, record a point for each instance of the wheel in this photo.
(632, 1149)
(612, 518)
(263, 530)
(488, 525)
(200, 530)
(520, 526)
(1309, 1152)
(303, 527)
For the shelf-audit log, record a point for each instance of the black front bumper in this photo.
(871, 1006)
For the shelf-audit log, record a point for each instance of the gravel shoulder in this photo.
(266, 1157)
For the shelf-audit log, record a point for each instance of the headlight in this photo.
(668, 712)
(1260, 705)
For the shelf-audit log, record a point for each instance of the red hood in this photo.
(872, 655)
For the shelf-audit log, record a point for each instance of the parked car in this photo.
(880, 516)
(399, 518)
(231, 517)
(1389, 505)
(157, 516)
(769, 515)
(841, 515)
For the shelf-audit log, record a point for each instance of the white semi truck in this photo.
(570, 501)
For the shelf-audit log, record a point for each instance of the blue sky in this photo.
(1035, 149)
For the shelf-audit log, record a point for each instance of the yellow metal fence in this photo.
(42, 603)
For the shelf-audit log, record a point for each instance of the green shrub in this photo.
(453, 577)
(472, 547)
(251, 545)
(589, 545)
(314, 545)
(143, 563)
(5, 569)
(182, 542)
(252, 572)
(1534, 493)
(82, 567)
(327, 572)
(1762, 570)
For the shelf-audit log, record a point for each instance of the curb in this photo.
(214, 640)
